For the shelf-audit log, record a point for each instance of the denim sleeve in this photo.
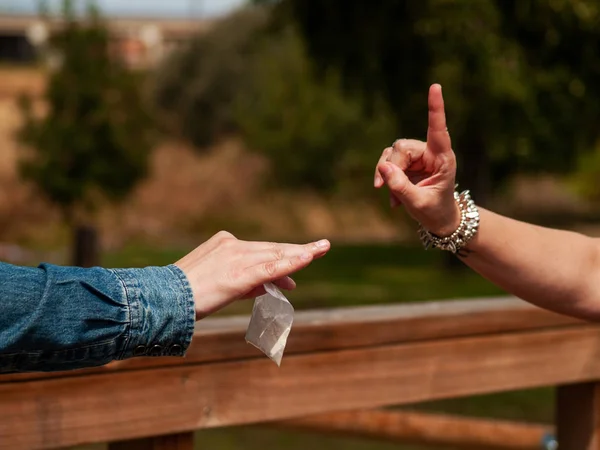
(61, 318)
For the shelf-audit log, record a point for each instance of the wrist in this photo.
(449, 221)
(462, 235)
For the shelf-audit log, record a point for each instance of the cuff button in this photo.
(156, 350)
(176, 350)
(140, 350)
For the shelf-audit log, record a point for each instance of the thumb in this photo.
(398, 182)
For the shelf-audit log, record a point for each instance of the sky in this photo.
(160, 8)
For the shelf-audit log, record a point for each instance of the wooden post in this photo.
(181, 441)
(86, 246)
(578, 416)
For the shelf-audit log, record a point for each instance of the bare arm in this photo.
(557, 270)
(554, 269)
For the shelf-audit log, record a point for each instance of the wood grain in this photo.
(55, 413)
(222, 339)
(409, 427)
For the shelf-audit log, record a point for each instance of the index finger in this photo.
(438, 139)
(262, 252)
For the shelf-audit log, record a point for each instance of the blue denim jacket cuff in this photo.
(161, 308)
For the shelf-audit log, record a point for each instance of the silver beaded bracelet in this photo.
(469, 225)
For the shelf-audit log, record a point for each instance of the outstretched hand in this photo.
(225, 269)
(421, 175)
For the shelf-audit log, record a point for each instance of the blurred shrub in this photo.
(196, 86)
(311, 130)
(248, 77)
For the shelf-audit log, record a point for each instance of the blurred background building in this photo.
(142, 35)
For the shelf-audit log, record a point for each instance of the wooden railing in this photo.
(341, 368)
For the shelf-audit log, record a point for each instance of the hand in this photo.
(421, 176)
(225, 269)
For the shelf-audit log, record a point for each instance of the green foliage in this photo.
(519, 76)
(197, 86)
(313, 133)
(95, 138)
(254, 79)
(585, 179)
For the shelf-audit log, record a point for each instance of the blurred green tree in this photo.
(519, 76)
(254, 79)
(93, 142)
(311, 130)
(196, 87)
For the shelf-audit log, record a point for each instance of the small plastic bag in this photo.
(271, 323)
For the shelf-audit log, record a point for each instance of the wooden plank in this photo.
(222, 339)
(578, 416)
(409, 427)
(180, 441)
(126, 405)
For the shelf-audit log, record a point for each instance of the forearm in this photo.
(61, 318)
(554, 269)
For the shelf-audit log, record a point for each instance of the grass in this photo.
(359, 275)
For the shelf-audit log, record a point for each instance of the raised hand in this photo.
(225, 269)
(421, 175)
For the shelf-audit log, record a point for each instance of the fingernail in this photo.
(377, 179)
(385, 169)
(323, 243)
(305, 256)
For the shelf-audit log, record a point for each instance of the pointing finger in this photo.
(438, 139)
